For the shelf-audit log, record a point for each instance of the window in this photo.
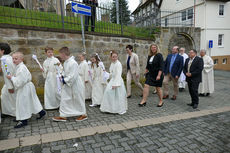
(221, 10)
(166, 22)
(220, 40)
(190, 13)
(183, 14)
(224, 61)
(215, 61)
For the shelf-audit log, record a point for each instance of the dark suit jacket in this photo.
(195, 69)
(177, 65)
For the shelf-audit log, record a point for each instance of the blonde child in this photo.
(27, 102)
(84, 75)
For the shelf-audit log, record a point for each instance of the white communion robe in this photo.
(52, 97)
(8, 100)
(207, 84)
(115, 100)
(182, 79)
(27, 102)
(84, 75)
(72, 96)
(98, 85)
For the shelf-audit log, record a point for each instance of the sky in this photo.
(132, 3)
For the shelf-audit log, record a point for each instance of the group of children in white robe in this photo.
(65, 88)
(19, 96)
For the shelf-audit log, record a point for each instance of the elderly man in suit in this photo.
(172, 70)
(133, 70)
(193, 70)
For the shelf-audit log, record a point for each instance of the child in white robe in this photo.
(51, 68)
(8, 96)
(84, 75)
(72, 95)
(98, 85)
(27, 102)
(115, 97)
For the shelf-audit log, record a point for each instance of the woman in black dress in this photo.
(154, 74)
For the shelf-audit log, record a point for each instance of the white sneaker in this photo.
(122, 113)
(93, 105)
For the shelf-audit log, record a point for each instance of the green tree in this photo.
(124, 12)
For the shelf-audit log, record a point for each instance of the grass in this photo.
(51, 20)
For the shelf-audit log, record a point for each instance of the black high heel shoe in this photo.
(141, 105)
(160, 105)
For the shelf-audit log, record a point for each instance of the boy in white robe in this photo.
(8, 96)
(206, 87)
(84, 75)
(27, 102)
(51, 68)
(72, 96)
(115, 97)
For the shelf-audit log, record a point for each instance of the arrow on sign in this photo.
(81, 9)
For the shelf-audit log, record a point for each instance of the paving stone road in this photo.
(139, 139)
(206, 134)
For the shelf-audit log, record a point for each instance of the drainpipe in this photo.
(194, 13)
(205, 28)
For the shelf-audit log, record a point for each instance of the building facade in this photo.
(212, 16)
(147, 12)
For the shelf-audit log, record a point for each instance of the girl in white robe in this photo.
(27, 102)
(84, 75)
(115, 97)
(51, 67)
(8, 95)
(72, 96)
(98, 85)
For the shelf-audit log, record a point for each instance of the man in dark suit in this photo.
(193, 70)
(172, 70)
(93, 4)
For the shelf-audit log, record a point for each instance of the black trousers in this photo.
(193, 91)
(92, 17)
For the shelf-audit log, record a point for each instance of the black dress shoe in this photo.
(141, 105)
(195, 106)
(129, 96)
(42, 113)
(191, 104)
(207, 94)
(201, 95)
(160, 105)
(21, 124)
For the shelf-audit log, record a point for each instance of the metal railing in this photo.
(58, 14)
(165, 18)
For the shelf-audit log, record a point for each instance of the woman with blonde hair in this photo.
(154, 74)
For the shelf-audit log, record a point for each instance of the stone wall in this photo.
(33, 42)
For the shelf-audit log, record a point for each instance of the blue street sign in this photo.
(210, 44)
(81, 9)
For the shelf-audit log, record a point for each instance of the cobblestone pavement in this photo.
(218, 99)
(206, 134)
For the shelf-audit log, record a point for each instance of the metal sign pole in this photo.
(83, 34)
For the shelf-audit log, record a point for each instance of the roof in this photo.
(219, 0)
(140, 6)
